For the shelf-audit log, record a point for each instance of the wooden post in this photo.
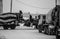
(56, 2)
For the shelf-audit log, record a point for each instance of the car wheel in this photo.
(40, 31)
(48, 31)
(13, 27)
(57, 37)
(45, 30)
(5, 27)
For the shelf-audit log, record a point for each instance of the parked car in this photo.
(42, 23)
(47, 29)
(42, 28)
(50, 30)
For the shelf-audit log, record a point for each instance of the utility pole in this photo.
(11, 7)
(56, 2)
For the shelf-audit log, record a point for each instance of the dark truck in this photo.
(8, 20)
(56, 21)
(55, 15)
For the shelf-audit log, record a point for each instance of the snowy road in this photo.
(22, 32)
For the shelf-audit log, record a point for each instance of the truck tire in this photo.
(13, 27)
(36, 26)
(48, 32)
(57, 35)
(5, 27)
(45, 30)
(40, 31)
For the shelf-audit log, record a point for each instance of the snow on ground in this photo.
(23, 32)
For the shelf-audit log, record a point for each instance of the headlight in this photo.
(51, 26)
(12, 23)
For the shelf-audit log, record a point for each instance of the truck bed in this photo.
(7, 17)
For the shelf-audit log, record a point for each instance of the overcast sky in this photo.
(33, 6)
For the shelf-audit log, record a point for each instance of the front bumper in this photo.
(9, 23)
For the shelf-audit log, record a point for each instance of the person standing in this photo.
(31, 20)
(20, 15)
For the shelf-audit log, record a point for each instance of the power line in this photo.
(30, 5)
